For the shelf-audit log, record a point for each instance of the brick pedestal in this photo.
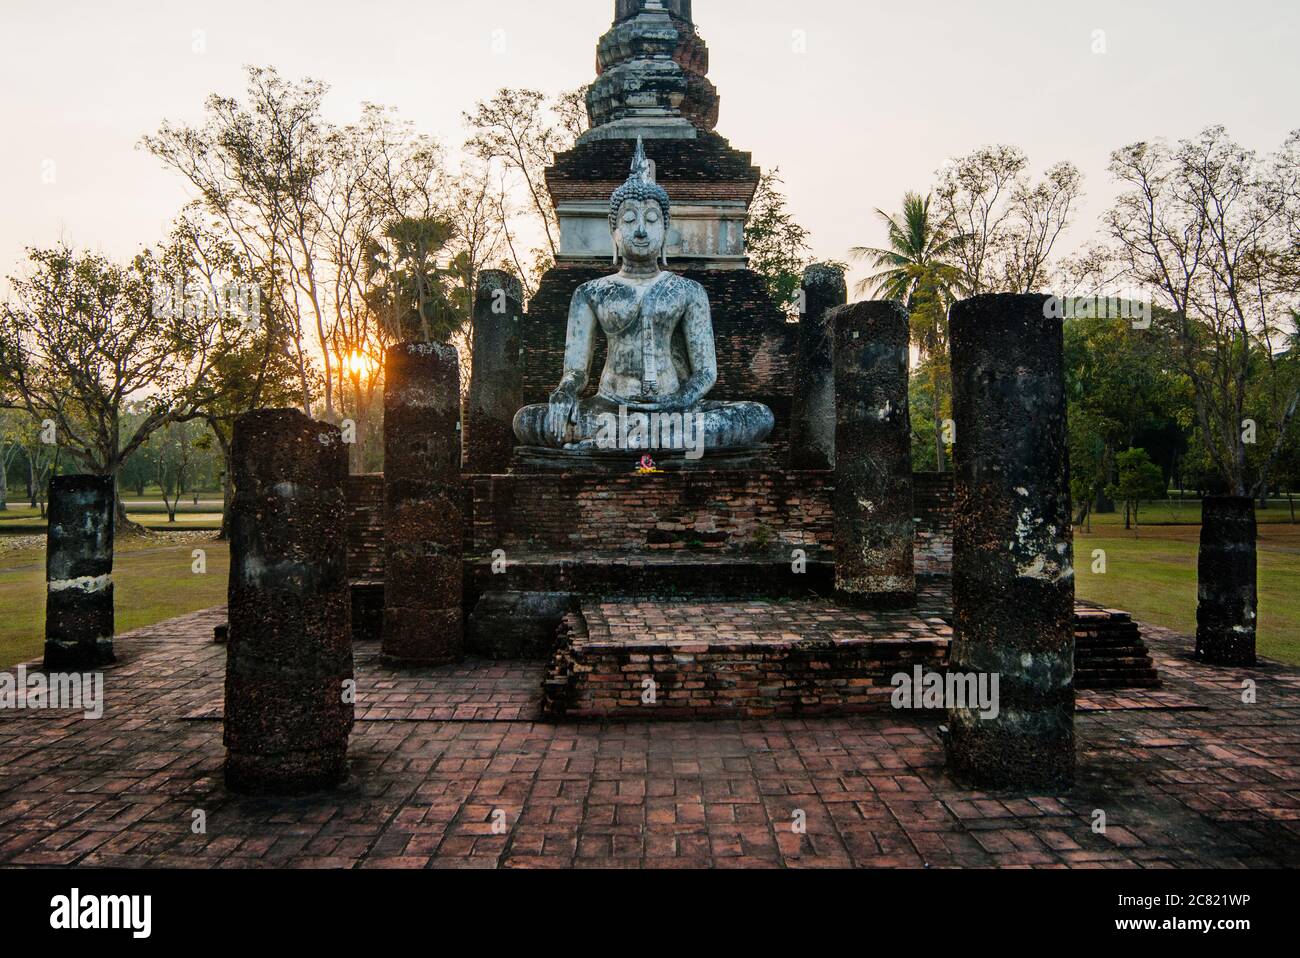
(496, 385)
(424, 525)
(874, 527)
(1226, 581)
(288, 710)
(812, 415)
(1013, 572)
(79, 574)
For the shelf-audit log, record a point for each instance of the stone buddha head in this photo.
(639, 213)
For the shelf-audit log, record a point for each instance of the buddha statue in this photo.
(660, 361)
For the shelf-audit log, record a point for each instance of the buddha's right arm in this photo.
(579, 345)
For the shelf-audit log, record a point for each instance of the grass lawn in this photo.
(21, 519)
(152, 582)
(1152, 573)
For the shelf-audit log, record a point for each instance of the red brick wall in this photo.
(725, 513)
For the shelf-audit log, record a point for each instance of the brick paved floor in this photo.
(1186, 776)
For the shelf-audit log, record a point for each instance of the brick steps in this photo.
(762, 658)
(1109, 652)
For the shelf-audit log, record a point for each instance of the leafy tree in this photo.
(178, 449)
(917, 270)
(84, 337)
(258, 168)
(10, 447)
(43, 461)
(1119, 387)
(255, 368)
(777, 246)
(1139, 478)
(406, 287)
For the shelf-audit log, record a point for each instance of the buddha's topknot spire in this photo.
(640, 185)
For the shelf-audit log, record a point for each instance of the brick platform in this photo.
(1188, 776)
(760, 658)
(755, 659)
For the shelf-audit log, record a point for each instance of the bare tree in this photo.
(1209, 229)
(1005, 227)
(972, 193)
(517, 134)
(257, 168)
(1040, 214)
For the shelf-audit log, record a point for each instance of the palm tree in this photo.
(917, 270)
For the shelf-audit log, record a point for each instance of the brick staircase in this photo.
(1109, 652)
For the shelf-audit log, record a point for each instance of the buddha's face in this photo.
(639, 232)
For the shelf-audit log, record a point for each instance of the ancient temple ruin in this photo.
(794, 571)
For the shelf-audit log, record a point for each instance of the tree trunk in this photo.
(227, 482)
(1291, 502)
(940, 453)
(122, 525)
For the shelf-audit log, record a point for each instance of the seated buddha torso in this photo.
(646, 352)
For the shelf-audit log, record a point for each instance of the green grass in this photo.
(1173, 512)
(21, 519)
(1151, 572)
(152, 582)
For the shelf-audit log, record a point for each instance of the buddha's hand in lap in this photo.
(559, 416)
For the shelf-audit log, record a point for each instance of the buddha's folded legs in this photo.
(601, 424)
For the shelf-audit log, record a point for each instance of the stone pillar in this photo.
(874, 526)
(289, 651)
(496, 383)
(1226, 577)
(1013, 561)
(79, 574)
(424, 524)
(812, 415)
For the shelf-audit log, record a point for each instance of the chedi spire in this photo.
(652, 68)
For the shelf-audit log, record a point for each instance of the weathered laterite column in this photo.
(496, 383)
(79, 574)
(874, 526)
(289, 653)
(812, 414)
(1226, 575)
(1013, 561)
(424, 525)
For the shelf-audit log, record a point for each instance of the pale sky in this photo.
(886, 92)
